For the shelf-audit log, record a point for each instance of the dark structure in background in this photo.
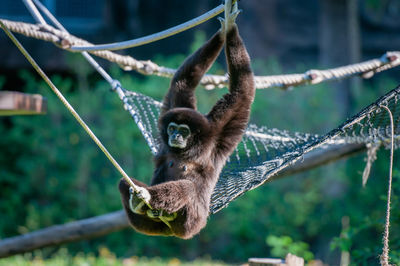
(291, 31)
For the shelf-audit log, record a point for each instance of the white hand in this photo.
(143, 194)
(231, 13)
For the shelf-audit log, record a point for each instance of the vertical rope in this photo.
(385, 250)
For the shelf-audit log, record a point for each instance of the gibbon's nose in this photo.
(177, 141)
(177, 137)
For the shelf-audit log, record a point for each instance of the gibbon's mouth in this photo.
(177, 144)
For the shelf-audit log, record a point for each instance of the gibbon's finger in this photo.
(222, 21)
(234, 7)
(228, 8)
(232, 18)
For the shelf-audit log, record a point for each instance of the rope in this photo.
(34, 12)
(38, 17)
(153, 37)
(48, 14)
(372, 149)
(385, 249)
(64, 40)
(30, 30)
(68, 106)
(115, 84)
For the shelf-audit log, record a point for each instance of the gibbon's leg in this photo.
(171, 196)
(189, 74)
(241, 79)
(231, 113)
(141, 223)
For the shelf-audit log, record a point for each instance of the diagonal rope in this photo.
(153, 37)
(68, 106)
(115, 84)
(64, 40)
(385, 240)
(39, 18)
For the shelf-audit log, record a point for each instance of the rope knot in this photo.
(313, 76)
(63, 40)
(115, 84)
(390, 57)
(149, 67)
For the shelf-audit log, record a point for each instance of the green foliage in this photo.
(283, 245)
(104, 258)
(356, 239)
(199, 38)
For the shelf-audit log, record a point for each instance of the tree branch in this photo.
(115, 221)
(60, 234)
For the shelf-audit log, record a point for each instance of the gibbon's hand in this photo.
(231, 13)
(142, 193)
(136, 203)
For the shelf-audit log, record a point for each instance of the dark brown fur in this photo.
(184, 179)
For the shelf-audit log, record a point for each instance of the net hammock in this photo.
(264, 152)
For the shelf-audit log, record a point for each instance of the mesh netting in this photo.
(264, 152)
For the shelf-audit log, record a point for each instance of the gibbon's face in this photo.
(178, 135)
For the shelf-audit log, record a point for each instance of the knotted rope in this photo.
(65, 40)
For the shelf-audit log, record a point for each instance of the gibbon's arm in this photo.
(241, 78)
(231, 113)
(171, 196)
(189, 74)
(141, 222)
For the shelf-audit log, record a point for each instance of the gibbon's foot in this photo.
(156, 214)
(136, 203)
(231, 13)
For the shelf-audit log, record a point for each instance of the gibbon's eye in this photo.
(184, 131)
(172, 127)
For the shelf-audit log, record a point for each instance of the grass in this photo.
(105, 258)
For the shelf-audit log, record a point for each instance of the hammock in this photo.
(264, 152)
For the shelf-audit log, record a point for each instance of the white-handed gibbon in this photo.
(194, 146)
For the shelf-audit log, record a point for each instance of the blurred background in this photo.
(52, 173)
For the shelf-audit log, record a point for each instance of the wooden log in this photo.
(320, 157)
(290, 260)
(104, 224)
(266, 262)
(18, 103)
(59, 234)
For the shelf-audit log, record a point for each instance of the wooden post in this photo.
(290, 260)
(18, 103)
